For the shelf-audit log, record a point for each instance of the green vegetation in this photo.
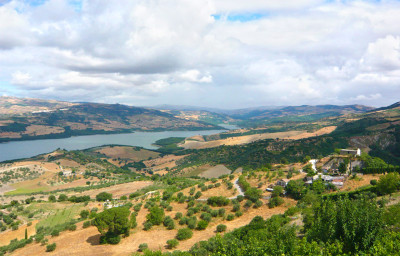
(112, 223)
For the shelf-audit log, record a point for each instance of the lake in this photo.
(25, 149)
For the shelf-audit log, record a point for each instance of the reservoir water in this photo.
(25, 149)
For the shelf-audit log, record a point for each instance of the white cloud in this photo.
(153, 52)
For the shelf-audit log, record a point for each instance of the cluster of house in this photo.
(111, 204)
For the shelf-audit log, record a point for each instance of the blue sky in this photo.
(216, 53)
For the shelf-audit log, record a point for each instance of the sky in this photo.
(211, 53)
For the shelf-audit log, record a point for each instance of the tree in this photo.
(318, 186)
(253, 194)
(111, 223)
(295, 189)
(342, 168)
(62, 198)
(221, 228)
(184, 233)
(309, 170)
(103, 196)
(388, 183)
(172, 243)
(52, 198)
(156, 215)
(84, 214)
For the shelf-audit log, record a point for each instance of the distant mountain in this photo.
(10, 106)
(302, 111)
(393, 106)
(53, 120)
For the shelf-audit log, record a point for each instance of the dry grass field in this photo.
(192, 143)
(127, 153)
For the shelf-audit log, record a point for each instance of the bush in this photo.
(55, 232)
(240, 198)
(178, 215)
(206, 216)
(373, 182)
(236, 207)
(103, 196)
(113, 239)
(238, 213)
(253, 194)
(198, 195)
(169, 223)
(51, 247)
(172, 243)
(84, 214)
(218, 201)
(147, 226)
(230, 217)
(86, 224)
(221, 212)
(258, 204)
(192, 222)
(202, 225)
(275, 201)
(72, 227)
(221, 228)
(143, 247)
(156, 215)
(184, 233)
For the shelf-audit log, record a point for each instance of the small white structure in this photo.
(352, 152)
(282, 182)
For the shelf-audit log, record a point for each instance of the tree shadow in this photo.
(94, 240)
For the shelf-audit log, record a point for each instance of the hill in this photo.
(57, 120)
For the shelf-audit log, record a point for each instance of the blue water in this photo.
(25, 149)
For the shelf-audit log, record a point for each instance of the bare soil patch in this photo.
(118, 190)
(127, 153)
(215, 172)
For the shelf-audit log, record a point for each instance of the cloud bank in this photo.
(217, 53)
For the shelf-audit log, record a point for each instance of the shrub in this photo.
(169, 208)
(51, 247)
(172, 243)
(275, 201)
(84, 214)
(253, 194)
(221, 228)
(206, 216)
(198, 195)
(184, 233)
(103, 196)
(218, 201)
(72, 227)
(248, 204)
(55, 232)
(113, 239)
(147, 226)
(86, 224)
(258, 204)
(240, 198)
(202, 225)
(183, 221)
(221, 212)
(178, 215)
(214, 213)
(169, 223)
(143, 247)
(230, 217)
(192, 222)
(156, 215)
(236, 207)
(238, 213)
(373, 182)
